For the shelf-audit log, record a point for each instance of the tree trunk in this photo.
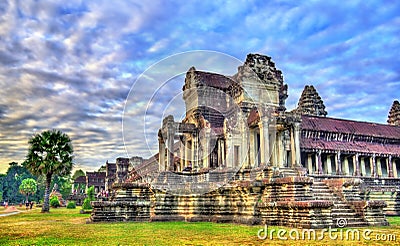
(46, 204)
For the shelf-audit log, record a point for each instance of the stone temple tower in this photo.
(310, 103)
(394, 114)
(262, 83)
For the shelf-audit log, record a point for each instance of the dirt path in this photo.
(13, 210)
(12, 213)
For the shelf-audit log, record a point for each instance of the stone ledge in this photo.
(289, 180)
(298, 204)
(131, 185)
(98, 204)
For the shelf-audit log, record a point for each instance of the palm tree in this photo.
(49, 153)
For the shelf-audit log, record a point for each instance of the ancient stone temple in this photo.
(239, 156)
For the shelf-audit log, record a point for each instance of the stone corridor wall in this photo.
(132, 202)
(283, 201)
(233, 203)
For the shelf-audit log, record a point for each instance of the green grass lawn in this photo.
(68, 227)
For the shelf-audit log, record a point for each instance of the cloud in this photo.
(71, 65)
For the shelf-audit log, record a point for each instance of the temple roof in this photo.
(96, 174)
(254, 117)
(214, 80)
(351, 127)
(357, 146)
(332, 125)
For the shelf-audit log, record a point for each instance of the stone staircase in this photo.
(342, 212)
(287, 172)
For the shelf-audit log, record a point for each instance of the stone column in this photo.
(390, 166)
(394, 167)
(244, 150)
(329, 164)
(347, 168)
(316, 162)
(374, 172)
(252, 149)
(281, 153)
(219, 153)
(297, 143)
(206, 148)
(387, 167)
(161, 155)
(264, 142)
(378, 167)
(309, 164)
(356, 164)
(194, 152)
(292, 149)
(182, 156)
(223, 157)
(229, 152)
(338, 164)
(170, 148)
(319, 162)
(187, 153)
(363, 172)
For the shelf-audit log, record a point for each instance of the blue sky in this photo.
(70, 65)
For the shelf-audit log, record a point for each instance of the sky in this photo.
(79, 66)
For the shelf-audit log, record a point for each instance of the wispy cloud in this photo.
(70, 65)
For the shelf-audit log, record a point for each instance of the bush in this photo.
(71, 204)
(86, 204)
(90, 193)
(54, 202)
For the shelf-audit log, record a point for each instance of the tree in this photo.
(78, 173)
(54, 202)
(90, 197)
(28, 187)
(102, 169)
(13, 164)
(64, 185)
(50, 153)
(90, 193)
(2, 178)
(11, 182)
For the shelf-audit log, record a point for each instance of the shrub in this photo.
(90, 193)
(71, 204)
(54, 202)
(86, 204)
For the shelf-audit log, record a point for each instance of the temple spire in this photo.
(394, 114)
(310, 103)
